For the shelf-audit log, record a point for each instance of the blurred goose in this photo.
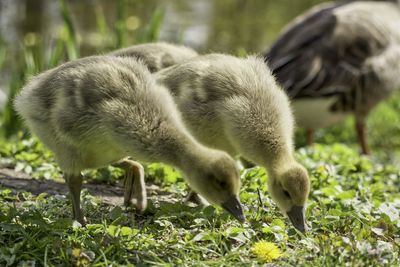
(235, 105)
(157, 56)
(339, 59)
(98, 110)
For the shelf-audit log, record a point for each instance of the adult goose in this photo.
(339, 59)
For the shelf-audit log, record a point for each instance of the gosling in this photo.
(98, 110)
(235, 105)
(157, 56)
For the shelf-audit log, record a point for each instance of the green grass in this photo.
(353, 213)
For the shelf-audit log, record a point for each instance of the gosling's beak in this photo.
(234, 207)
(296, 216)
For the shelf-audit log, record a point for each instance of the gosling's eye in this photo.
(286, 193)
(221, 184)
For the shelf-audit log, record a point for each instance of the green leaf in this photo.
(347, 194)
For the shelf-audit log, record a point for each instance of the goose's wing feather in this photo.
(323, 51)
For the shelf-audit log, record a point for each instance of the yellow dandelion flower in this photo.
(76, 252)
(266, 251)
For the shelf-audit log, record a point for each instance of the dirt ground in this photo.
(110, 194)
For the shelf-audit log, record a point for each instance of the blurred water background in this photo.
(219, 25)
(231, 26)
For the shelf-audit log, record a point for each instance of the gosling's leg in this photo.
(362, 136)
(195, 198)
(74, 182)
(134, 184)
(309, 136)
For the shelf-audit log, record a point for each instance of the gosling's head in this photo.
(289, 189)
(218, 181)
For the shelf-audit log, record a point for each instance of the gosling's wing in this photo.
(323, 51)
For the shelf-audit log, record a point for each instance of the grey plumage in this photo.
(235, 105)
(98, 110)
(157, 56)
(346, 54)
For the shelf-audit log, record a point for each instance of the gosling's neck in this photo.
(186, 153)
(280, 163)
(193, 156)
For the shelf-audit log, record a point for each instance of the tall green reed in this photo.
(120, 29)
(152, 31)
